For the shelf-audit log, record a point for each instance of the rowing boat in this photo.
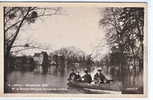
(112, 87)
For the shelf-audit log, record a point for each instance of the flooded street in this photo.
(30, 82)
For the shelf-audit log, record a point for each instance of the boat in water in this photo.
(105, 88)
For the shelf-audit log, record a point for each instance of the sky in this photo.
(77, 27)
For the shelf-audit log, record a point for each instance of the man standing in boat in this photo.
(87, 77)
(99, 77)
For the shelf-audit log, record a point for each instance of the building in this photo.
(24, 63)
(38, 59)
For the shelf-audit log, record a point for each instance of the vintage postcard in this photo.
(73, 49)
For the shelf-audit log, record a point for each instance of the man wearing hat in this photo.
(99, 77)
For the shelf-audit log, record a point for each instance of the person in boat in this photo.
(78, 77)
(87, 77)
(99, 77)
(72, 75)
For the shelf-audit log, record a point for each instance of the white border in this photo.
(150, 56)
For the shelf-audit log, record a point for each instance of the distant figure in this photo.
(72, 75)
(99, 77)
(45, 63)
(78, 77)
(87, 77)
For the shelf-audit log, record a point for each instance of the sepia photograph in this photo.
(74, 49)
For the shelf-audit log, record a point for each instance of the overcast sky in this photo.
(78, 27)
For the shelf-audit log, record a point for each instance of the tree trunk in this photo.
(134, 68)
(7, 51)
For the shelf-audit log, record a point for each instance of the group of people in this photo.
(98, 77)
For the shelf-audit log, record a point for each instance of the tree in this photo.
(133, 30)
(133, 27)
(16, 17)
(124, 28)
(124, 32)
(113, 28)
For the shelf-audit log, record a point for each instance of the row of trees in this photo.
(125, 34)
(74, 55)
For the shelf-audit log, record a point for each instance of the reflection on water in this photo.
(18, 77)
(30, 82)
(52, 83)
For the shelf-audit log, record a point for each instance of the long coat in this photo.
(87, 78)
(99, 77)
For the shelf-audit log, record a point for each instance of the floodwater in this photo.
(36, 82)
(31, 82)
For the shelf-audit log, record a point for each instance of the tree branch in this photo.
(17, 31)
(12, 26)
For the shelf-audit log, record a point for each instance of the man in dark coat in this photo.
(99, 77)
(78, 77)
(87, 77)
(72, 75)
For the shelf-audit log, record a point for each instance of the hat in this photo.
(85, 70)
(99, 69)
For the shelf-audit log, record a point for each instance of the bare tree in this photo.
(16, 17)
